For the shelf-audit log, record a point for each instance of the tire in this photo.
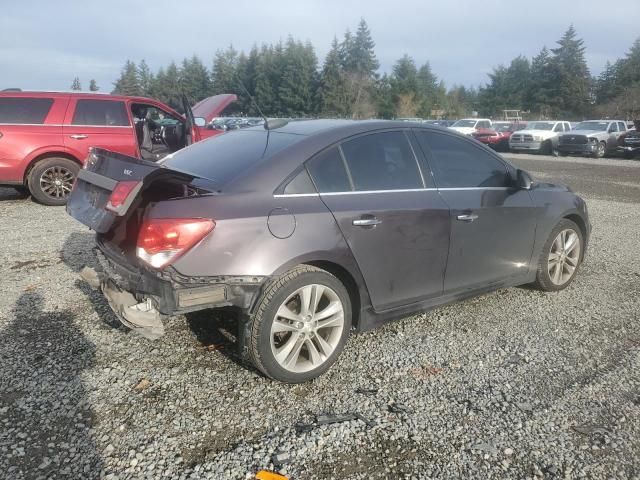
(44, 176)
(285, 295)
(563, 154)
(601, 151)
(554, 276)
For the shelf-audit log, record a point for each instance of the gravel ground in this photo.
(513, 384)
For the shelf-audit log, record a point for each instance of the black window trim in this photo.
(428, 155)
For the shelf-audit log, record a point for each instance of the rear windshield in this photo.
(24, 110)
(224, 157)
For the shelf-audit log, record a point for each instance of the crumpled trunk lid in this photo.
(99, 178)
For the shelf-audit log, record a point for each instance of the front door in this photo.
(396, 225)
(97, 122)
(492, 222)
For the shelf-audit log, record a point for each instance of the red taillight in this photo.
(120, 195)
(163, 240)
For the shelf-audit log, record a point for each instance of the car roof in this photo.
(50, 93)
(311, 127)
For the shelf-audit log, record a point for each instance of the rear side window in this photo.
(328, 172)
(458, 163)
(621, 126)
(109, 113)
(382, 161)
(301, 183)
(24, 110)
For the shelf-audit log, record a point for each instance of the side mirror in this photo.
(200, 122)
(523, 180)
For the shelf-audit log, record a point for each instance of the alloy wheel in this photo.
(56, 182)
(564, 256)
(307, 328)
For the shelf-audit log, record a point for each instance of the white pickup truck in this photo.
(593, 137)
(539, 137)
(468, 126)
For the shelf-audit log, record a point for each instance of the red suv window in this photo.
(100, 112)
(23, 110)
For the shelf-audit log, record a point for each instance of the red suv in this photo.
(45, 136)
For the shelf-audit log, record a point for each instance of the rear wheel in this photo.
(561, 257)
(601, 149)
(300, 326)
(51, 179)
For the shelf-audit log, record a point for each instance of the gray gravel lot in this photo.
(513, 384)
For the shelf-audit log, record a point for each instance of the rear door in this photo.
(99, 122)
(492, 223)
(395, 223)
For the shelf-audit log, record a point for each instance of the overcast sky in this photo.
(45, 43)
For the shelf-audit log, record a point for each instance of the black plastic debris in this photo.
(396, 407)
(367, 391)
(303, 427)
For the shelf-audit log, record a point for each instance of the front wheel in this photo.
(51, 180)
(560, 258)
(301, 325)
(601, 149)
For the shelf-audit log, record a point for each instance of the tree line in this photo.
(286, 80)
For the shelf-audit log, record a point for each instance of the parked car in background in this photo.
(497, 137)
(357, 223)
(593, 137)
(539, 137)
(468, 126)
(234, 123)
(45, 136)
(630, 144)
(440, 123)
(409, 119)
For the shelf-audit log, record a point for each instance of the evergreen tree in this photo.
(359, 51)
(93, 86)
(246, 72)
(266, 81)
(543, 97)
(428, 90)
(145, 77)
(75, 85)
(574, 85)
(404, 85)
(332, 90)
(128, 83)
(194, 79)
(629, 67)
(223, 75)
(296, 90)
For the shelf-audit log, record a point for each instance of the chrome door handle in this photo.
(469, 217)
(79, 136)
(366, 222)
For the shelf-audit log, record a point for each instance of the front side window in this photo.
(458, 163)
(382, 161)
(328, 172)
(558, 128)
(613, 127)
(108, 113)
(25, 111)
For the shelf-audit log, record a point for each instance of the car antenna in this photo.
(268, 124)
